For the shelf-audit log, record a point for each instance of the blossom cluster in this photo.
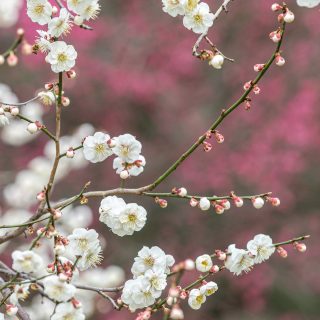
(129, 161)
(150, 270)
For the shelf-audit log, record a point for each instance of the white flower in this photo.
(136, 295)
(110, 208)
(26, 261)
(67, 311)
(209, 288)
(204, 263)
(47, 97)
(173, 7)
(134, 169)
(81, 240)
(190, 5)
(151, 259)
(43, 41)
(217, 61)
(154, 282)
(62, 57)
(127, 148)
(88, 9)
(3, 120)
(196, 298)
(200, 19)
(308, 3)
(261, 248)
(91, 258)
(39, 11)
(95, 148)
(204, 204)
(58, 290)
(60, 25)
(238, 260)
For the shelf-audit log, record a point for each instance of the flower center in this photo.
(197, 18)
(100, 148)
(39, 9)
(132, 217)
(191, 5)
(149, 261)
(83, 243)
(62, 57)
(199, 298)
(204, 263)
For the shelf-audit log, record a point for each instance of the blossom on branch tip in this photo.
(204, 263)
(58, 290)
(39, 11)
(60, 25)
(196, 298)
(26, 261)
(127, 147)
(261, 248)
(210, 288)
(217, 61)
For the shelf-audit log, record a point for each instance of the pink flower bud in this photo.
(48, 86)
(161, 202)
(219, 137)
(41, 196)
(247, 105)
(214, 269)
(280, 61)
(206, 146)
(174, 292)
(189, 265)
(258, 67)
(57, 214)
(65, 101)
(183, 295)
(301, 247)
(275, 36)
(225, 204)
(11, 310)
(221, 255)
(208, 134)
(71, 74)
(12, 60)
(256, 89)
(70, 153)
(276, 7)
(76, 303)
(20, 32)
(247, 85)
(274, 201)
(219, 209)
(280, 17)
(288, 17)
(193, 202)
(238, 202)
(282, 252)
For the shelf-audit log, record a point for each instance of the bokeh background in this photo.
(136, 74)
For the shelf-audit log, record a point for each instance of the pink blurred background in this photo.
(137, 75)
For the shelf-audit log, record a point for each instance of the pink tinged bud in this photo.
(2, 60)
(288, 17)
(247, 85)
(258, 67)
(76, 303)
(193, 202)
(162, 202)
(221, 255)
(182, 192)
(54, 10)
(274, 201)
(208, 134)
(219, 209)
(225, 204)
(189, 265)
(282, 252)
(207, 146)
(247, 105)
(174, 292)
(14, 111)
(71, 74)
(256, 89)
(215, 269)
(20, 32)
(204, 204)
(301, 247)
(41, 196)
(183, 295)
(219, 137)
(275, 36)
(111, 143)
(176, 313)
(48, 86)
(57, 214)
(32, 128)
(258, 202)
(51, 267)
(238, 202)
(11, 310)
(70, 153)
(124, 174)
(276, 7)
(280, 17)
(280, 61)
(65, 101)
(12, 60)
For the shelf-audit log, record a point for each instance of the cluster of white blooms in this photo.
(258, 250)
(129, 161)
(308, 3)
(84, 245)
(197, 16)
(85, 9)
(58, 289)
(198, 296)
(9, 12)
(123, 218)
(150, 271)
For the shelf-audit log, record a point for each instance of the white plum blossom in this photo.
(134, 169)
(151, 259)
(60, 25)
(57, 289)
(62, 57)
(209, 288)
(43, 41)
(47, 97)
(308, 3)
(190, 5)
(96, 148)
(174, 7)
(39, 11)
(81, 240)
(261, 248)
(155, 282)
(204, 263)
(67, 311)
(196, 298)
(91, 258)
(200, 19)
(110, 208)
(88, 9)
(127, 148)
(136, 295)
(26, 261)
(238, 260)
